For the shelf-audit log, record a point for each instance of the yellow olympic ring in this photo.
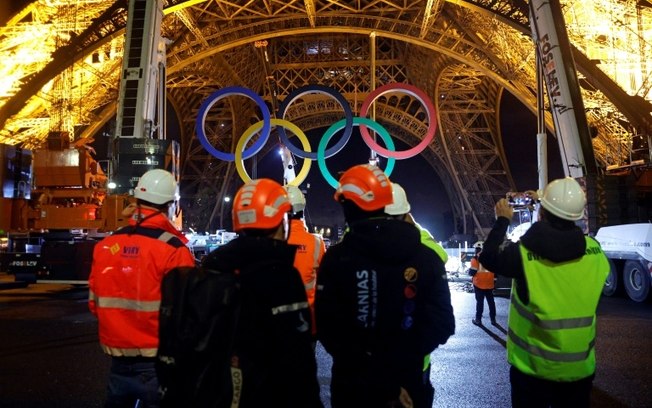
(247, 135)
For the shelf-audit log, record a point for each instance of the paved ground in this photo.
(49, 355)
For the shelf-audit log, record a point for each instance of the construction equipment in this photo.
(629, 250)
(57, 199)
(55, 206)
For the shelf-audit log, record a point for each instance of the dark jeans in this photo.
(132, 381)
(532, 392)
(480, 295)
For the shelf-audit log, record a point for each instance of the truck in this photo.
(629, 250)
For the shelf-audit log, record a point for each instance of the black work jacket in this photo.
(382, 301)
(274, 341)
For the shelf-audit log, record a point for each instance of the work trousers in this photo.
(480, 296)
(132, 381)
(532, 392)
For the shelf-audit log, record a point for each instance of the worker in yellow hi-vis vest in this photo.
(558, 277)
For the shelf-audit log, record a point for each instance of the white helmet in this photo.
(296, 197)
(400, 204)
(157, 187)
(564, 198)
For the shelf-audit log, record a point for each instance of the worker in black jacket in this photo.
(275, 364)
(382, 301)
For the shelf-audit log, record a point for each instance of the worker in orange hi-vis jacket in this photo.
(310, 247)
(124, 289)
(483, 287)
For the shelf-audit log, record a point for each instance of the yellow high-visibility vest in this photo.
(553, 336)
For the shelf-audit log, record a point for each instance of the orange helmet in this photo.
(367, 186)
(260, 204)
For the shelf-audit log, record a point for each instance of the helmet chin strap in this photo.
(139, 219)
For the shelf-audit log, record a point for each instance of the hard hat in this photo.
(367, 186)
(156, 186)
(297, 199)
(260, 204)
(400, 205)
(564, 198)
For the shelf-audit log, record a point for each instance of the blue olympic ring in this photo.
(299, 92)
(337, 126)
(216, 96)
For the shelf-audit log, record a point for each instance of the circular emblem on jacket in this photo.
(410, 291)
(410, 274)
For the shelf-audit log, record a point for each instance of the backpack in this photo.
(197, 325)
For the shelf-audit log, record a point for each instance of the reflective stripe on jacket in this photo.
(553, 336)
(310, 249)
(125, 279)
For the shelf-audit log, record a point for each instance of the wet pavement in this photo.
(50, 357)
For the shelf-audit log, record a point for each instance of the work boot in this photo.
(477, 322)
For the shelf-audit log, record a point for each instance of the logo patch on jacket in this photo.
(130, 251)
(367, 295)
(114, 248)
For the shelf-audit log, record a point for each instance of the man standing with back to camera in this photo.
(483, 288)
(382, 301)
(558, 278)
(273, 363)
(125, 290)
(310, 247)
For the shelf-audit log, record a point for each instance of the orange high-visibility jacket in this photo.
(125, 282)
(483, 278)
(310, 250)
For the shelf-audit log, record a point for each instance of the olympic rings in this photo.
(410, 90)
(337, 126)
(216, 96)
(246, 136)
(265, 127)
(299, 92)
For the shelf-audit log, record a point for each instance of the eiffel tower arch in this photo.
(466, 56)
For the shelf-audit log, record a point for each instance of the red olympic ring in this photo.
(410, 90)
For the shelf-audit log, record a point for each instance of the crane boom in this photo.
(565, 99)
(140, 139)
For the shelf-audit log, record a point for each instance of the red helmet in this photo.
(367, 186)
(260, 204)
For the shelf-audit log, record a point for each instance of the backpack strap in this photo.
(154, 233)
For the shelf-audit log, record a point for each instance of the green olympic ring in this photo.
(336, 127)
